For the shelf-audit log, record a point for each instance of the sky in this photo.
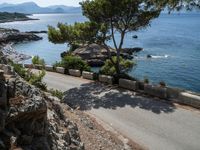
(45, 2)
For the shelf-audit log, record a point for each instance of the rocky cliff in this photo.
(31, 119)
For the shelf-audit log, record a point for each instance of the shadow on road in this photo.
(96, 95)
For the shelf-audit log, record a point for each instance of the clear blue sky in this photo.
(45, 2)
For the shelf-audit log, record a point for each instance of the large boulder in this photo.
(96, 54)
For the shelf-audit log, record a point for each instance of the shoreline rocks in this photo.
(12, 35)
(96, 54)
(8, 37)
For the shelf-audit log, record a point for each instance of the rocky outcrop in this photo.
(37, 32)
(96, 54)
(12, 35)
(31, 119)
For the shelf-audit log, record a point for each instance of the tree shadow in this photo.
(97, 95)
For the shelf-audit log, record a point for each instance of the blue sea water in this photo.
(173, 40)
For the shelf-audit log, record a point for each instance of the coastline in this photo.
(8, 37)
(18, 19)
(10, 53)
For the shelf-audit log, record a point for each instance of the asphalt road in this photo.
(152, 123)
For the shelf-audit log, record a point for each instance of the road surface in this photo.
(152, 123)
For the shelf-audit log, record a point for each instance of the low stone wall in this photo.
(30, 66)
(173, 93)
(49, 68)
(106, 79)
(60, 70)
(168, 93)
(39, 67)
(128, 84)
(88, 75)
(76, 73)
(156, 91)
(189, 99)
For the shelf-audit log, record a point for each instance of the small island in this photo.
(10, 17)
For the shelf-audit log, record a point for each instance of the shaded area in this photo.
(96, 95)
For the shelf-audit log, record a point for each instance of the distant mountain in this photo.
(32, 8)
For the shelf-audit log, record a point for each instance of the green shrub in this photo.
(109, 68)
(56, 93)
(162, 84)
(36, 60)
(146, 80)
(34, 79)
(73, 62)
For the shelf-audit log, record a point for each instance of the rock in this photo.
(11, 35)
(134, 36)
(149, 56)
(37, 32)
(130, 51)
(96, 55)
(29, 119)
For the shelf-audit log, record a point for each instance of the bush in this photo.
(36, 60)
(162, 84)
(109, 68)
(146, 80)
(73, 62)
(56, 93)
(34, 79)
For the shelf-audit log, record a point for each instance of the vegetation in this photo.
(56, 93)
(77, 34)
(109, 69)
(34, 79)
(36, 60)
(73, 62)
(162, 84)
(108, 17)
(4, 16)
(146, 80)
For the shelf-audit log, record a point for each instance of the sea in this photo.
(173, 40)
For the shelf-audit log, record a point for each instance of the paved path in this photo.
(151, 123)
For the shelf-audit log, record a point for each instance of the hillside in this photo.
(31, 8)
(9, 17)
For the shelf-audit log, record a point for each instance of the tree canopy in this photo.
(108, 17)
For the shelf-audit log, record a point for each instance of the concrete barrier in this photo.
(30, 66)
(39, 67)
(49, 68)
(189, 99)
(173, 93)
(60, 70)
(76, 73)
(1, 66)
(156, 91)
(106, 79)
(128, 84)
(8, 70)
(88, 75)
(140, 85)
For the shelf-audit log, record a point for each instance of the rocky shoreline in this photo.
(8, 37)
(17, 19)
(96, 55)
